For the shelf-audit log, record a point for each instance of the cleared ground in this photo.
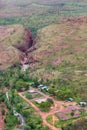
(58, 107)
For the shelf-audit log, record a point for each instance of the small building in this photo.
(41, 100)
(32, 91)
(82, 104)
(44, 88)
(70, 99)
(40, 86)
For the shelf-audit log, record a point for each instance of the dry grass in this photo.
(61, 51)
(10, 37)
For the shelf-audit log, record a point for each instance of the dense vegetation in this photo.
(33, 121)
(14, 79)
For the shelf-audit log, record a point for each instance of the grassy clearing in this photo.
(49, 119)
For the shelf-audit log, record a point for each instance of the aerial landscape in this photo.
(43, 65)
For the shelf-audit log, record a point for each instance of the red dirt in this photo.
(58, 107)
(43, 115)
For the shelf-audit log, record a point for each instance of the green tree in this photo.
(3, 111)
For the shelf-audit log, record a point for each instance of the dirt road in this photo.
(58, 106)
(42, 114)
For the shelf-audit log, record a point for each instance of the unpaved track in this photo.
(39, 112)
(58, 106)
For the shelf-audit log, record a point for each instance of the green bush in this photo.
(11, 121)
(29, 96)
(3, 111)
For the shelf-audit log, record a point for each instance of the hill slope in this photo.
(13, 40)
(12, 8)
(61, 52)
(36, 14)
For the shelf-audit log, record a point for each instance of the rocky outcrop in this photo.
(15, 40)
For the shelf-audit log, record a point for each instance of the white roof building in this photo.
(24, 67)
(32, 91)
(41, 100)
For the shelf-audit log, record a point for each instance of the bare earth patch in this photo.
(57, 108)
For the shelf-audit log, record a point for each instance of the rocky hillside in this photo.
(61, 53)
(14, 40)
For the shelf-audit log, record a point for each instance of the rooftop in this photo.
(41, 100)
(32, 91)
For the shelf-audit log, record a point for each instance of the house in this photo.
(70, 99)
(41, 100)
(40, 86)
(44, 88)
(32, 91)
(82, 104)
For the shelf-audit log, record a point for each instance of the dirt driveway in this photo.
(57, 107)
